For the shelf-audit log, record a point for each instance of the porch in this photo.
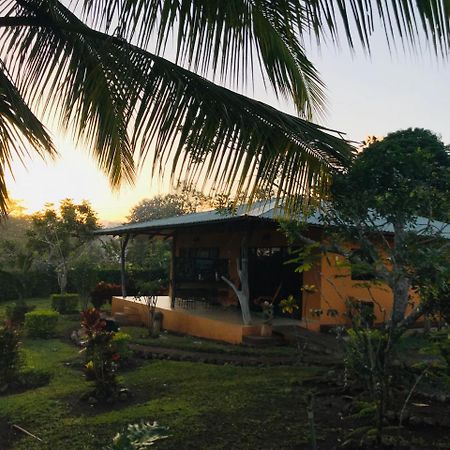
(195, 318)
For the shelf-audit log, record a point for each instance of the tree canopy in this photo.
(400, 177)
(59, 235)
(388, 204)
(100, 69)
(168, 205)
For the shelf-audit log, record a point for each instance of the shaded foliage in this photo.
(58, 236)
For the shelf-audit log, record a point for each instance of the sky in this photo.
(365, 96)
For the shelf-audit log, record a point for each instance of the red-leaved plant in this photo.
(101, 355)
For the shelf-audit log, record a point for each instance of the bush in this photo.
(101, 356)
(15, 313)
(65, 303)
(365, 352)
(36, 283)
(41, 323)
(138, 436)
(9, 356)
(103, 293)
(34, 378)
(121, 341)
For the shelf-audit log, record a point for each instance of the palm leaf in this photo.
(405, 22)
(232, 36)
(225, 37)
(62, 74)
(107, 90)
(20, 130)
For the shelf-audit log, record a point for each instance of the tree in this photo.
(154, 256)
(117, 96)
(15, 259)
(61, 235)
(183, 202)
(382, 217)
(399, 181)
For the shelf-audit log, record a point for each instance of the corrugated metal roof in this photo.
(262, 210)
(266, 210)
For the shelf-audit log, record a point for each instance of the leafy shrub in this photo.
(9, 356)
(65, 303)
(101, 354)
(103, 292)
(364, 355)
(34, 378)
(35, 283)
(121, 341)
(138, 436)
(154, 287)
(15, 313)
(41, 323)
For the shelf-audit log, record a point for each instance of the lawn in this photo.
(205, 406)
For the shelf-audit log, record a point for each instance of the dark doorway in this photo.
(269, 275)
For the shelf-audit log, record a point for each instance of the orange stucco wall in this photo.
(331, 284)
(337, 285)
(181, 321)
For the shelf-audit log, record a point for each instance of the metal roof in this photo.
(261, 210)
(265, 210)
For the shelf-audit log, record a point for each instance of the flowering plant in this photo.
(101, 354)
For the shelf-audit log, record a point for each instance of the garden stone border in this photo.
(164, 353)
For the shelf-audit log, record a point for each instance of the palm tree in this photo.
(98, 70)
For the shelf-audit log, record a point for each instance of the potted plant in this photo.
(267, 309)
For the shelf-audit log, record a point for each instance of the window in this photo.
(212, 252)
(361, 265)
(200, 264)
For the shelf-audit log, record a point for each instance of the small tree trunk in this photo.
(242, 294)
(61, 273)
(400, 284)
(64, 281)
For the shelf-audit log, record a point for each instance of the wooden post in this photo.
(172, 271)
(123, 246)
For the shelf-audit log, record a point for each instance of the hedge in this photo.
(15, 313)
(43, 283)
(9, 356)
(65, 303)
(37, 283)
(41, 323)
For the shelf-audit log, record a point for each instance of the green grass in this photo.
(205, 406)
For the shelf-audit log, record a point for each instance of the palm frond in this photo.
(20, 131)
(104, 87)
(225, 37)
(230, 141)
(404, 22)
(63, 74)
(232, 36)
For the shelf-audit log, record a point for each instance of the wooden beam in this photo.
(123, 246)
(172, 274)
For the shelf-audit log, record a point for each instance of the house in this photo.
(223, 263)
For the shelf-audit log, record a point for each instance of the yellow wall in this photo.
(337, 286)
(333, 284)
(181, 321)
